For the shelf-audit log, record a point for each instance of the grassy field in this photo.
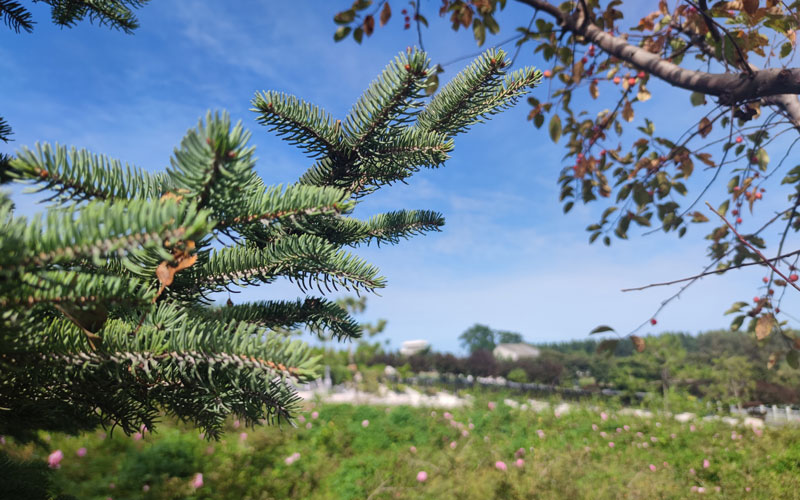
(487, 451)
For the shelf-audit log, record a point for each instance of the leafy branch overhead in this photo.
(733, 59)
(105, 297)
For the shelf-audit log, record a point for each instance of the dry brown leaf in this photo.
(386, 13)
(627, 112)
(165, 273)
(638, 343)
(750, 6)
(369, 25)
(593, 90)
(704, 127)
(764, 326)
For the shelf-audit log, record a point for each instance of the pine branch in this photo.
(475, 93)
(5, 128)
(123, 229)
(79, 175)
(16, 17)
(303, 259)
(116, 14)
(319, 314)
(391, 100)
(300, 123)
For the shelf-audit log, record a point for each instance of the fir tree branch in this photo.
(16, 17)
(79, 175)
(114, 13)
(301, 259)
(300, 123)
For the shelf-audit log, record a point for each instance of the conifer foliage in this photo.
(106, 312)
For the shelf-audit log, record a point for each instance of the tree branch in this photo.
(730, 88)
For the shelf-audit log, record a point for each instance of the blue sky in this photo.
(508, 257)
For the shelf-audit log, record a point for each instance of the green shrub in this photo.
(517, 375)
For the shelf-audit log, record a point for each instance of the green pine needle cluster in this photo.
(106, 317)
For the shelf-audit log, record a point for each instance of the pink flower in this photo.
(453, 445)
(701, 489)
(294, 457)
(413, 449)
(314, 415)
(492, 405)
(594, 427)
(653, 439)
(666, 464)
(471, 426)
(692, 428)
(500, 465)
(692, 472)
(611, 444)
(652, 467)
(308, 425)
(146, 488)
(639, 434)
(619, 429)
(81, 452)
(301, 419)
(540, 433)
(447, 415)
(603, 434)
(137, 436)
(197, 482)
(645, 445)
(365, 423)
(520, 463)
(673, 436)
(626, 427)
(519, 453)
(603, 416)
(2, 440)
(236, 424)
(422, 476)
(747, 489)
(464, 433)
(202, 435)
(706, 463)
(243, 436)
(758, 432)
(694, 488)
(54, 459)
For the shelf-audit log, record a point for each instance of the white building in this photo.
(515, 352)
(411, 347)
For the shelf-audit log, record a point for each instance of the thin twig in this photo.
(751, 247)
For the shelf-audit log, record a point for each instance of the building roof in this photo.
(519, 349)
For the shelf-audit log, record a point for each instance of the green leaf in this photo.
(342, 32)
(358, 34)
(479, 30)
(786, 49)
(344, 17)
(737, 322)
(491, 24)
(568, 206)
(792, 359)
(538, 120)
(736, 307)
(608, 345)
(555, 128)
(601, 329)
(361, 4)
(697, 99)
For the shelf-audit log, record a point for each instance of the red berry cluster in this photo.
(407, 19)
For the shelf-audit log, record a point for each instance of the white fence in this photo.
(772, 414)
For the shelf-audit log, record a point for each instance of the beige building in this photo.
(515, 352)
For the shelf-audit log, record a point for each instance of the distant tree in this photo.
(478, 337)
(505, 337)
(733, 379)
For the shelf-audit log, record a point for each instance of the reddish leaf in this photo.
(386, 13)
(750, 6)
(369, 25)
(638, 343)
